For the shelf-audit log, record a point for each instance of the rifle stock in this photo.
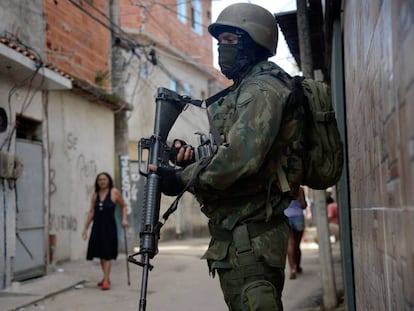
(169, 105)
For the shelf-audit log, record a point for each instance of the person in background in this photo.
(297, 225)
(309, 212)
(333, 218)
(103, 241)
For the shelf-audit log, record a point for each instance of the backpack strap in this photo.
(281, 175)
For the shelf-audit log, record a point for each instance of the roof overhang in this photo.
(288, 25)
(20, 67)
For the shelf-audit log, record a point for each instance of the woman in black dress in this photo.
(103, 241)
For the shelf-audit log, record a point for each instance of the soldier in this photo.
(238, 188)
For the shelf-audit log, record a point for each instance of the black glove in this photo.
(175, 150)
(171, 183)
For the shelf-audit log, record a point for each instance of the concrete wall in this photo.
(186, 46)
(12, 100)
(188, 220)
(72, 126)
(141, 122)
(379, 76)
(23, 19)
(81, 144)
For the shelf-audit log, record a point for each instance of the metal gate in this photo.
(30, 260)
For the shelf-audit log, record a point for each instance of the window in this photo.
(28, 129)
(182, 11)
(187, 89)
(196, 20)
(173, 85)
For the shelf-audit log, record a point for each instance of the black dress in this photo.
(103, 242)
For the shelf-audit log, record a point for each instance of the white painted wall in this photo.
(81, 144)
(141, 124)
(14, 100)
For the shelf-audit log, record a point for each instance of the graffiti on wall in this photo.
(62, 222)
(52, 173)
(134, 186)
(87, 170)
(71, 141)
(125, 181)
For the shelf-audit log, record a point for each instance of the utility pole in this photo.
(305, 47)
(330, 299)
(121, 120)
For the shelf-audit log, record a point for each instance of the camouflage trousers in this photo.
(251, 270)
(259, 291)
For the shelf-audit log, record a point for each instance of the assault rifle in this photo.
(169, 105)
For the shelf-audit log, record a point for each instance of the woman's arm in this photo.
(118, 199)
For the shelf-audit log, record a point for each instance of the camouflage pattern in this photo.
(257, 292)
(242, 173)
(240, 186)
(269, 257)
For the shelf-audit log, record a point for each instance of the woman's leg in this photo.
(106, 264)
(292, 254)
(103, 272)
(298, 253)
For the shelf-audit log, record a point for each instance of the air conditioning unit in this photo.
(18, 167)
(6, 164)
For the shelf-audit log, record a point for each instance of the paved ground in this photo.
(179, 281)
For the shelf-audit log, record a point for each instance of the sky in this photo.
(283, 57)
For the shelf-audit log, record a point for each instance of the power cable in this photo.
(151, 56)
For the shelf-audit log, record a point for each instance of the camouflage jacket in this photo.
(236, 186)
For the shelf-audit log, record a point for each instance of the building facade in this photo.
(364, 49)
(379, 73)
(173, 51)
(72, 75)
(52, 110)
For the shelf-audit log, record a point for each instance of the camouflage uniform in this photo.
(239, 192)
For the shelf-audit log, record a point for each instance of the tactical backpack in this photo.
(307, 150)
(320, 147)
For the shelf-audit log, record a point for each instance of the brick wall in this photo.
(159, 19)
(379, 77)
(75, 42)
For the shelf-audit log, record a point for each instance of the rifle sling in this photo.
(173, 207)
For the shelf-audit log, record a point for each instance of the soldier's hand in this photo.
(182, 154)
(171, 183)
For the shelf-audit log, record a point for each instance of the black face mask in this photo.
(228, 59)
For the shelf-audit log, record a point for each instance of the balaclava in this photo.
(234, 58)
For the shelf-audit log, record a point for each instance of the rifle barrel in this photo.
(144, 282)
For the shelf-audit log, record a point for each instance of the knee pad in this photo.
(260, 295)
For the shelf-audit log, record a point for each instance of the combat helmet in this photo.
(258, 22)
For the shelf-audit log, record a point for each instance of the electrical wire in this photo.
(126, 35)
(116, 29)
(168, 8)
(26, 102)
(146, 10)
(113, 27)
(5, 256)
